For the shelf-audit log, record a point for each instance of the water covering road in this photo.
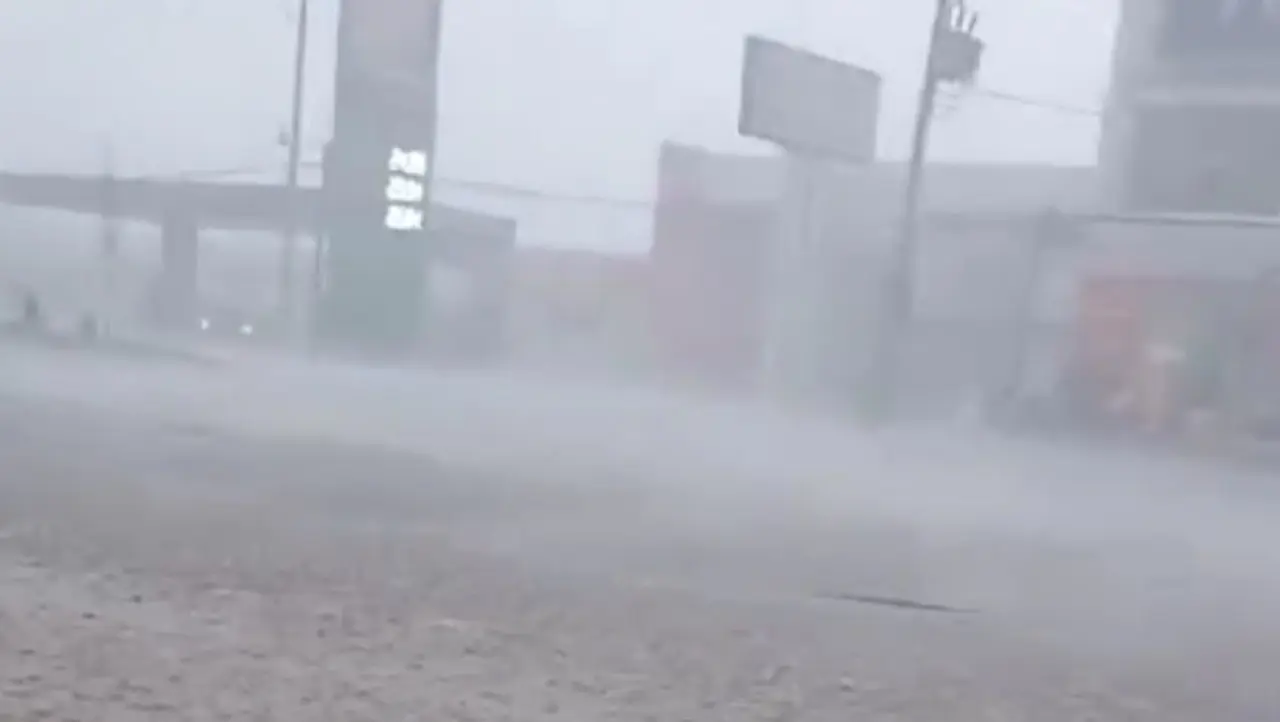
(1103, 554)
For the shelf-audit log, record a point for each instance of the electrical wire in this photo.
(524, 192)
(512, 190)
(492, 188)
(1018, 99)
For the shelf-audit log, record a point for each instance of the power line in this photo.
(1025, 100)
(510, 190)
(519, 191)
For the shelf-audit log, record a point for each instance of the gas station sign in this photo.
(406, 192)
(378, 170)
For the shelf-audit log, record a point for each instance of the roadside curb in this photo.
(110, 347)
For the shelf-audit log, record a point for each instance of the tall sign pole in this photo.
(378, 173)
(954, 56)
(110, 240)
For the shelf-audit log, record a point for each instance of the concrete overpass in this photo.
(210, 205)
(182, 208)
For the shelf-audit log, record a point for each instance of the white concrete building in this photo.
(1193, 118)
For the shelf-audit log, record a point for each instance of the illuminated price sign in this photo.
(406, 190)
(384, 129)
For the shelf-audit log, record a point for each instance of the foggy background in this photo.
(568, 96)
(1152, 577)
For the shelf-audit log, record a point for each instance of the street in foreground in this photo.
(154, 565)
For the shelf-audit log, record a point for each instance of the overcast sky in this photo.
(572, 95)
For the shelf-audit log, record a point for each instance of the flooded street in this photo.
(390, 542)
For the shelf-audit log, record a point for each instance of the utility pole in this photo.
(954, 56)
(293, 221)
(110, 237)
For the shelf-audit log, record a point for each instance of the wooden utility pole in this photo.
(293, 221)
(110, 241)
(954, 56)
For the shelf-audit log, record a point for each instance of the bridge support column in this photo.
(176, 301)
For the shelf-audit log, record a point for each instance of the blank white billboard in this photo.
(807, 103)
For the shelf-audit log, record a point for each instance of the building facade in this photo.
(729, 311)
(1192, 117)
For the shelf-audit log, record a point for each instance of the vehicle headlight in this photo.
(246, 330)
(205, 324)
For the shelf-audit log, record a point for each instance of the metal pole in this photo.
(289, 239)
(788, 261)
(110, 241)
(900, 291)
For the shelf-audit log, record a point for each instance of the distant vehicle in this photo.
(231, 323)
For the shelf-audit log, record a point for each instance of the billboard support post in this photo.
(819, 111)
(791, 264)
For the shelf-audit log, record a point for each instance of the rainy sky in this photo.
(567, 95)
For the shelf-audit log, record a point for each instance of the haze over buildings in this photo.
(570, 96)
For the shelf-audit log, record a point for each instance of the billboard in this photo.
(1222, 29)
(807, 103)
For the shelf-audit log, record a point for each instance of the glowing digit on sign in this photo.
(404, 218)
(405, 190)
(408, 162)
